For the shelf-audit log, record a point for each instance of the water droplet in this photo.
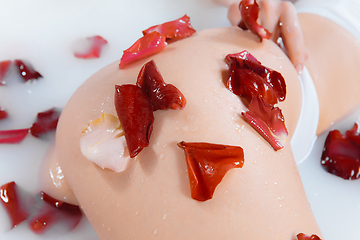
(155, 231)
(137, 213)
(164, 217)
(194, 129)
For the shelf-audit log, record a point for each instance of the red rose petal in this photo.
(134, 109)
(207, 165)
(3, 114)
(4, 68)
(146, 46)
(94, 51)
(248, 84)
(46, 121)
(341, 154)
(249, 10)
(354, 134)
(247, 78)
(173, 30)
(48, 211)
(268, 121)
(26, 71)
(54, 212)
(13, 136)
(162, 95)
(13, 203)
(302, 236)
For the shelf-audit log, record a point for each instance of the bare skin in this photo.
(332, 63)
(151, 200)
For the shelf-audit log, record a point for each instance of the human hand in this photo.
(280, 18)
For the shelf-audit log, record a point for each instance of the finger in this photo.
(225, 3)
(269, 16)
(292, 35)
(234, 14)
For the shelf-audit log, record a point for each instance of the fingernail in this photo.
(299, 68)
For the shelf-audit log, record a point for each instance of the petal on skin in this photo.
(302, 236)
(134, 109)
(103, 142)
(207, 165)
(173, 30)
(146, 46)
(162, 95)
(268, 121)
(248, 78)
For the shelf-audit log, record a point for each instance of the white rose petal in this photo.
(103, 142)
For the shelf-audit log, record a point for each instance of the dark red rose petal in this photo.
(43, 210)
(354, 134)
(248, 84)
(146, 46)
(173, 30)
(13, 204)
(3, 114)
(13, 136)
(242, 57)
(242, 24)
(46, 121)
(134, 109)
(54, 212)
(4, 68)
(249, 10)
(26, 71)
(94, 51)
(302, 236)
(248, 78)
(162, 95)
(268, 121)
(207, 165)
(341, 154)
